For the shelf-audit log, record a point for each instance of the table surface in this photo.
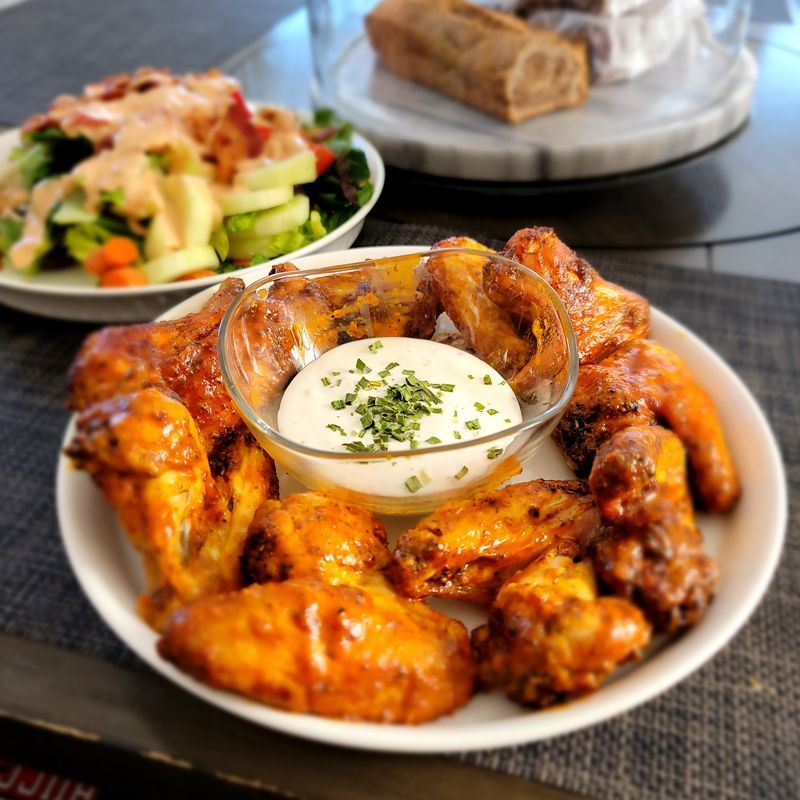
(731, 210)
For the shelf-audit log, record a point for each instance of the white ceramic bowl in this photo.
(747, 544)
(69, 294)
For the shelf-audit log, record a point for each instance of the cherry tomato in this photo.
(324, 155)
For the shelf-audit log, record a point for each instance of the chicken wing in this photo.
(313, 536)
(485, 326)
(336, 650)
(603, 315)
(644, 383)
(550, 637)
(145, 453)
(650, 551)
(286, 326)
(179, 355)
(466, 549)
(398, 300)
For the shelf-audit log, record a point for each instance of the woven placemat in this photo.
(729, 731)
(51, 47)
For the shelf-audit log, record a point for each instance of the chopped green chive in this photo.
(480, 406)
(384, 373)
(392, 365)
(335, 373)
(473, 424)
(494, 452)
(362, 367)
(375, 346)
(507, 420)
(338, 428)
(325, 382)
(447, 387)
(471, 377)
(433, 440)
(349, 398)
(337, 404)
(413, 445)
(461, 473)
(487, 379)
(457, 435)
(492, 411)
(413, 484)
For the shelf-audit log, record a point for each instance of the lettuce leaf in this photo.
(81, 240)
(10, 233)
(49, 152)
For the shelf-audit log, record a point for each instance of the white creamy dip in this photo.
(399, 394)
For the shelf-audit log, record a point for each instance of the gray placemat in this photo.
(729, 731)
(51, 47)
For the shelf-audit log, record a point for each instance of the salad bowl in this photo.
(71, 293)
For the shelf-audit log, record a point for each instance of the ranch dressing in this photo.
(398, 394)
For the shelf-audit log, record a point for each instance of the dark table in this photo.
(117, 725)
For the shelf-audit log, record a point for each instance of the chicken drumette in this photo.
(550, 637)
(466, 549)
(650, 550)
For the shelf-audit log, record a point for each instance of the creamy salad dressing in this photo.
(399, 394)
(178, 116)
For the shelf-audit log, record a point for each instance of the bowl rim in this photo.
(253, 418)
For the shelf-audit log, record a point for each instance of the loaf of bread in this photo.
(488, 59)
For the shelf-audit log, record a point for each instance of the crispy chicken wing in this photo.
(286, 327)
(650, 552)
(486, 327)
(148, 395)
(401, 299)
(550, 637)
(145, 453)
(603, 315)
(466, 549)
(640, 383)
(335, 650)
(179, 355)
(313, 536)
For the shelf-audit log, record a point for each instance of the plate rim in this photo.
(685, 655)
(18, 284)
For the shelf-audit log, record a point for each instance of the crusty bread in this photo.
(488, 59)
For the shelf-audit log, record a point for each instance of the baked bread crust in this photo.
(487, 59)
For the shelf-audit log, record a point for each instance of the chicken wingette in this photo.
(467, 548)
(603, 315)
(320, 629)
(642, 382)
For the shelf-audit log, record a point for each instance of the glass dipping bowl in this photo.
(282, 323)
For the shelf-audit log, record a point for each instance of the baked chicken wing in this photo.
(145, 453)
(644, 383)
(486, 327)
(336, 650)
(466, 549)
(179, 355)
(550, 637)
(400, 299)
(313, 536)
(603, 315)
(650, 550)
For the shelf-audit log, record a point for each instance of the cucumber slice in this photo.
(173, 265)
(243, 202)
(190, 206)
(71, 210)
(299, 168)
(277, 220)
(161, 237)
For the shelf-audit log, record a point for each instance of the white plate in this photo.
(747, 544)
(693, 100)
(70, 294)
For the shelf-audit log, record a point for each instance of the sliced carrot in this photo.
(198, 273)
(95, 264)
(121, 277)
(119, 251)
